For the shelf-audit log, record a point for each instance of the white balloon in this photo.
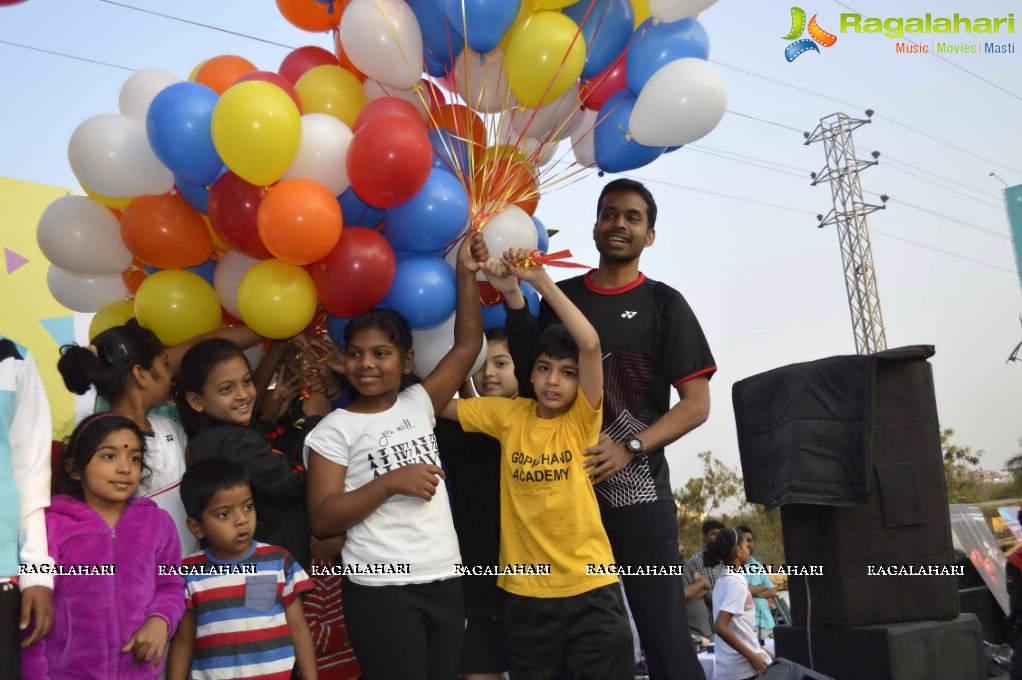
(383, 40)
(676, 10)
(510, 228)
(482, 82)
(681, 103)
(549, 120)
(433, 344)
(376, 90)
(84, 293)
(322, 153)
(82, 237)
(582, 139)
(141, 88)
(110, 155)
(229, 271)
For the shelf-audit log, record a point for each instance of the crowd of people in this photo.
(461, 532)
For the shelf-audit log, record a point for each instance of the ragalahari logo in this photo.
(798, 27)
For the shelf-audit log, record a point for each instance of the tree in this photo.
(964, 481)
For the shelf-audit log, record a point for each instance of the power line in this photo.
(945, 59)
(945, 188)
(755, 165)
(69, 56)
(888, 158)
(751, 158)
(945, 252)
(762, 120)
(969, 225)
(196, 23)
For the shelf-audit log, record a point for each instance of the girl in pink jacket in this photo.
(118, 594)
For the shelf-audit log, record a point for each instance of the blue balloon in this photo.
(449, 152)
(606, 30)
(205, 270)
(531, 297)
(358, 213)
(432, 218)
(178, 126)
(197, 196)
(482, 23)
(656, 44)
(613, 147)
(494, 316)
(402, 254)
(439, 40)
(544, 237)
(424, 292)
(335, 327)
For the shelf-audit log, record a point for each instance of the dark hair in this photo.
(711, 524)
(394, 326)
(118, 351)
(721, 550)
(496, 334)
(81, 446)
(556, 342)
(196, 365)
(745, 529)
(204, 480)
(620, 186)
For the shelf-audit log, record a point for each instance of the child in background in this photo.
(244, 615)
(374, 471)
(26, 603)
(112, 620)
(549, 513)
(738, 654)
(760, 587)
(472, 462)
(324, 612)
(216, 398)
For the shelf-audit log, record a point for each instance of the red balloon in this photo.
(601, 87)
(273, 79)
(302, 59)
(388, 106)
(357, 274)
(4, 3)
(389, 160)
(233, 207)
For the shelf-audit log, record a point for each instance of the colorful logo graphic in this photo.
(798, 27)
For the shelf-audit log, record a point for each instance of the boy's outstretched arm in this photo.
(590, 360)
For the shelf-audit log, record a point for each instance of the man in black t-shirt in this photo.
(651, 342)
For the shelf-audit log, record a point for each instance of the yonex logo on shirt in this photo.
(628, 315)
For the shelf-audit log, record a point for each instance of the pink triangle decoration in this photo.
(14, 261)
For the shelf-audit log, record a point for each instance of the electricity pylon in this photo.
(849, 215)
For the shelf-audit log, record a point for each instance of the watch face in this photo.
(635, 445)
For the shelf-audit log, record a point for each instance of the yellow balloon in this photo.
(641, 8)
(115, 203)
(195, 71)
(277, 300)
(218, 243)
(544, 58)
(332, 90)
(116, 313)
(256, 130)
(552, 4)
(493, 153)
(177, 305)
(525, 10)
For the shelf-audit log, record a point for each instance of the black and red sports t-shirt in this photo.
(651, 343)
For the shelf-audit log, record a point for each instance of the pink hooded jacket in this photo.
(94, 616)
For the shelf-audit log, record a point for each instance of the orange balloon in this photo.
(312, 15)
(164, 231)
(133, 276)
(502, 182)
(299, 221)
(219, 73)
(466, 124)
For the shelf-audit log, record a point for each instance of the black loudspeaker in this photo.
(783, 669)
(849, 447)
(923, 650)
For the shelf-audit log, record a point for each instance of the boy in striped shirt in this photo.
(243, 616)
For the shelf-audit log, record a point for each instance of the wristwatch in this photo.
(634, 445)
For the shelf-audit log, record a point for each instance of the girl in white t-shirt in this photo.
(737, 653)
(374, 472)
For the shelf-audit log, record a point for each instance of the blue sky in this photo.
(737, 228)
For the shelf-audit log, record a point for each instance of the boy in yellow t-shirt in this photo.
(573, 616)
